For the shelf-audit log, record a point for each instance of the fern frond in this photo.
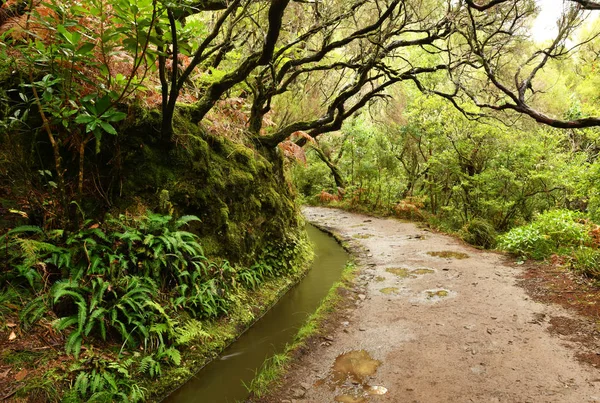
(184, 220)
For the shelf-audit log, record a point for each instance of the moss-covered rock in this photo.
(240, 194)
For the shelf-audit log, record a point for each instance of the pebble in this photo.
(298, 393)
(362, 297)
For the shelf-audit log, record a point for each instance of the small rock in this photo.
(345, 323)
(369, 255)
(362, 297)
(346, 331)
(298, 393)
(494, 317)
(362, 329)
(478, 369)
(305, 385)
(328, 338)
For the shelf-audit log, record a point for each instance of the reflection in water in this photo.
(222, 380)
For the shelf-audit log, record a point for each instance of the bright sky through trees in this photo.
(544, 26)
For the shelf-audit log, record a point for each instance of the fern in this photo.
(33, 311)
(22, 229)
(190, 331)
(170, 354)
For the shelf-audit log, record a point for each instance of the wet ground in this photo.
(434, 320)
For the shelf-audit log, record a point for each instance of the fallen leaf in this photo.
(21, 375)
(10, 324)
(12, 336)
(4, 374)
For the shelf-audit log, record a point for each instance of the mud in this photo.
(462, 331)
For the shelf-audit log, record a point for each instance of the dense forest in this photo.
(154, 155)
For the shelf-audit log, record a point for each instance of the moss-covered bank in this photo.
(240, 193)
(250, 307)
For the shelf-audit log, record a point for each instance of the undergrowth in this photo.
(559, 232)
(141, 283)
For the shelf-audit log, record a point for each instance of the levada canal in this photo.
(223, 379)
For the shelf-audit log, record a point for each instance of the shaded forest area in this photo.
(154, 155)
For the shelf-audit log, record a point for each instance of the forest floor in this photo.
(431, 319)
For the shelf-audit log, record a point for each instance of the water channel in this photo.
(221, 381)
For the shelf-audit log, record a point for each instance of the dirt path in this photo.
(435, 329)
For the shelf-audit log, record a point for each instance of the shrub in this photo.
(551, 232)
(586, 261)
(410, 208)
(479, 232)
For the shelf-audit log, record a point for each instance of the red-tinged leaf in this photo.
(22, 374)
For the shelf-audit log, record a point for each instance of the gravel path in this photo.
(427, 328)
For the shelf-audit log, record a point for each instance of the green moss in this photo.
(240, 194)
(399, 271)
(362, 236)
(389, 290)
(22, 358)
(448, 254)
(422, 270)
(438, 294)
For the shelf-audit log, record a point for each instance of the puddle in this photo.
(350, 399)
(422, 270)
(388, 290)
(404, 272)
(437, 294)
(355, 366)
(399, 271)
(379, 279)
(350, 373)
(360, 395)
(448, 254)
(362, 236)
(433, 296)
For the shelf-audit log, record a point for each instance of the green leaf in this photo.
(74, 343)
(116, 117)
(86, 48)
(63, 31)
(84, 118)
(108, 128)
(25, 228)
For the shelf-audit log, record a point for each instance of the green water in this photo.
(221, 380)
